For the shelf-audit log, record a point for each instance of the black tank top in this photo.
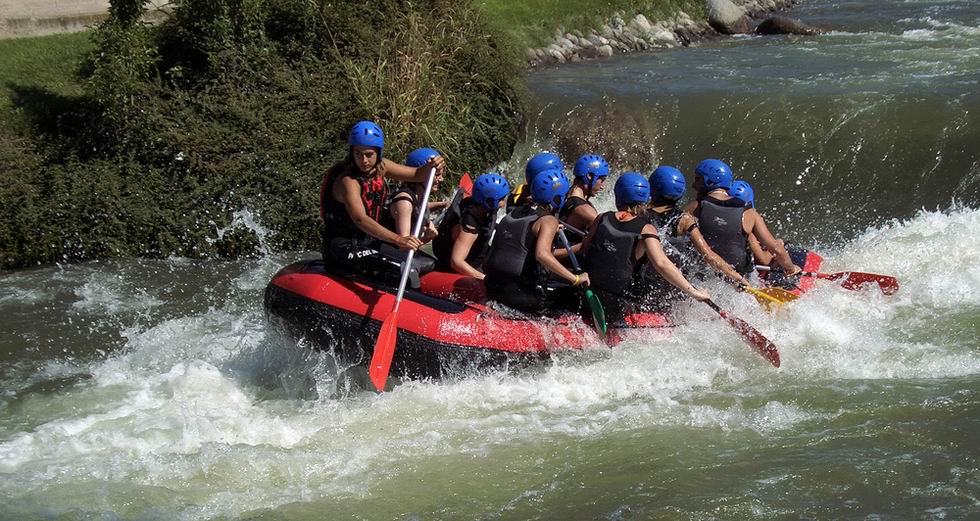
(610, 261)
(462, 214)
(337, 220)
(721, 225)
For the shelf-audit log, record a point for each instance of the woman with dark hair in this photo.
(352, 198)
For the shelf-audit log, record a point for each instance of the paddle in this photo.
(465, 189)
(853, 280)
(598, 314)
(769, 296)
(384, 347)
(751, 336)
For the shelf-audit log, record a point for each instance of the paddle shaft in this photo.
(416, 230)
(598, 314)
(754, 338)
(384, 346)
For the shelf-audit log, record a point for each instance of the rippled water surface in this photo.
(139, 389)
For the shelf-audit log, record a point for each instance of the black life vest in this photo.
(571, 203)
(610, 260)
(337, 220)
(511, 255)
(676, 246)
(720, 223)
(442, 245)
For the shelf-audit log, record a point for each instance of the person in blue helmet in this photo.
(726, 222)
(403, 207)
(521, 269)
(679, 229)
(620, 243)
(463, 235)
(743, 191)
(590, 174)
(352, 198)
(538, 163)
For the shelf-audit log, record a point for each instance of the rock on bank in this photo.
(639, 33)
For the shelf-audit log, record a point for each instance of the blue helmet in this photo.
(490, 189)
(549, 188)
(743, 190)
(668, 183)
(714, 174)
(539, 163)
(631, 188)
(366, 134)
(420, 156)
(589, 169)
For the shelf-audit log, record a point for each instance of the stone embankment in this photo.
(640, 34)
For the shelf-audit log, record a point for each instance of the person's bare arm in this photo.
(691, 207)
(461, 249)
(401, 172)
(659, 260)
(349, 191)
(545, 229)
(753, 223)
(758, 252)
(401, 210)
(582, 216)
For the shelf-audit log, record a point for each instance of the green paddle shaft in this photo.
(595, 305)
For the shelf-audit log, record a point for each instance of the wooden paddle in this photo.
(595, 305)
(853, 280)
(748, 333)
(384, 347)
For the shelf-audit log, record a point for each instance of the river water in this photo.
(138, 389)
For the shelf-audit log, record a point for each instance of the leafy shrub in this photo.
(232, 104)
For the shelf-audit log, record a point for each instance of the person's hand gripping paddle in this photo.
(598, 314)
(384, 347)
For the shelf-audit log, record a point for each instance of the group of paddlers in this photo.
(634, 258)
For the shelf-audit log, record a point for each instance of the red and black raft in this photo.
(445, 327)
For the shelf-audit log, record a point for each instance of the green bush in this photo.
(243, 104)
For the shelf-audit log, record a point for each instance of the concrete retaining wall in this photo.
(40, 17)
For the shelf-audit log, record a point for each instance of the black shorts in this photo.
(375, 258)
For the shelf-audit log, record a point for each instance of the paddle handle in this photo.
(416, 230)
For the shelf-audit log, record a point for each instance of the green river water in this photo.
(138, 389)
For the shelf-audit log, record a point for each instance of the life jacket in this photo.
(511, 255)
(521, 196)
(442, 245)
(676, 246)
(571, 203)
(721, 225)
(610, 260)
(337, 220)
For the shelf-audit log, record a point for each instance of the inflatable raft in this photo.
(446, 327)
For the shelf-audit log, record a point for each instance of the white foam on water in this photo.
(177, 410)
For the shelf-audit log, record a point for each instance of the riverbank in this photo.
(658, 27)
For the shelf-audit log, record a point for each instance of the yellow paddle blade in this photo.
(770, 297)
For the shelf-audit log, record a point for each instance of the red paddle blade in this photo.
(855, 280)
(466, 184)
(754, 338)
(384, 351)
